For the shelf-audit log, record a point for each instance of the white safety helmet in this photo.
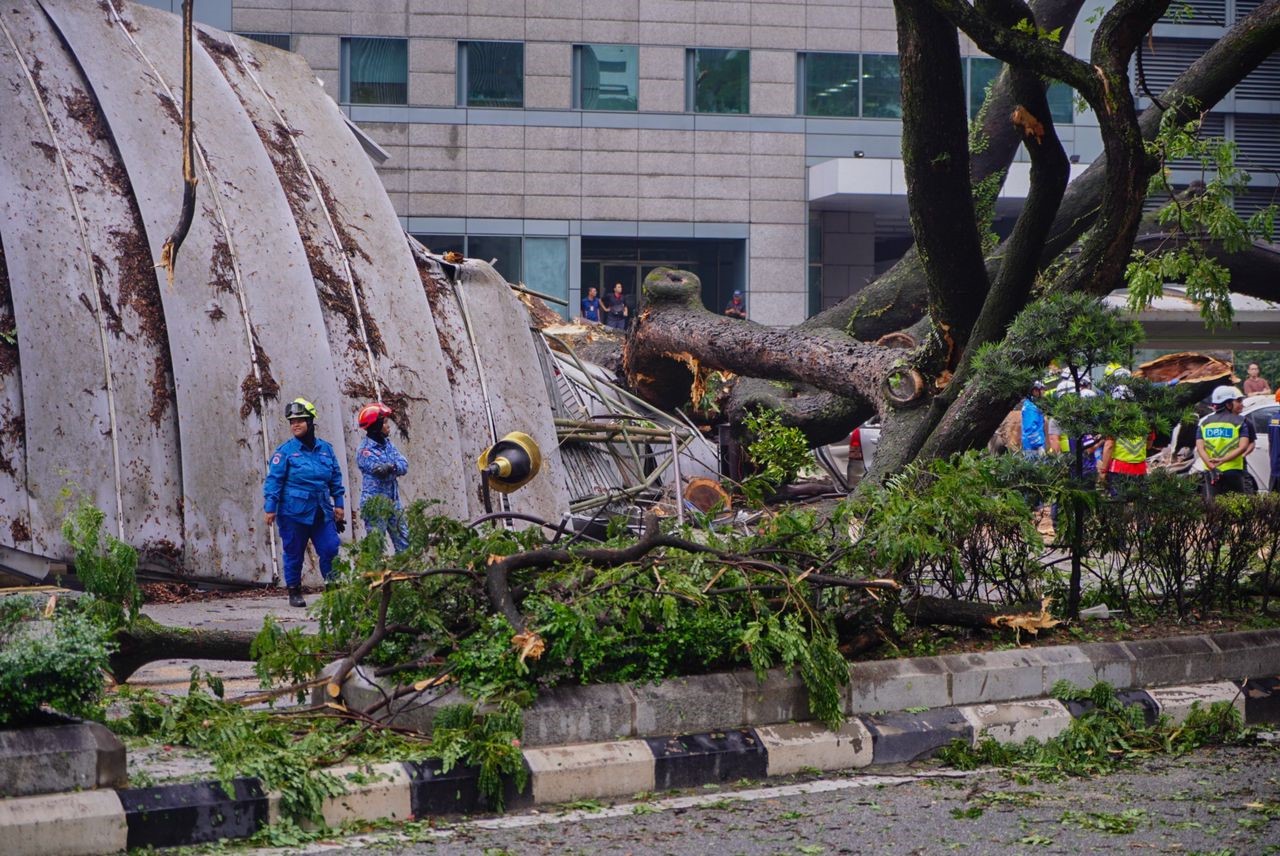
(1223, 394)
(1122, 393)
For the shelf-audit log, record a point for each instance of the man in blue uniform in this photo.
(1033, 426)
(303, 495)
(1273, 441)
(381, 465)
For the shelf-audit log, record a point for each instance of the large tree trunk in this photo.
(807, 373)
(148, 641)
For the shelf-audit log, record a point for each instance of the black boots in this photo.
(295, 596)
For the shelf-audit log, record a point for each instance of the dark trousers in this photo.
(322, 534)
(1218, 482)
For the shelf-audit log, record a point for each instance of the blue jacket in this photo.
(300, 481)
(373, 453)
(1032, 425)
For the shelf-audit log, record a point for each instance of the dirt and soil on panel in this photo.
(260, 386)
(438, 296)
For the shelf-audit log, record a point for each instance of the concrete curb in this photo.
(704, 703)
(106, 821)
(617, 740)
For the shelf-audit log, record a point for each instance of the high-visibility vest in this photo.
(1131, 450)
(1221, 433)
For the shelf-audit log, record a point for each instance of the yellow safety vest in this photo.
(1221, 433)
(1131, 450)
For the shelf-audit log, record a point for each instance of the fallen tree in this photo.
(950, 293)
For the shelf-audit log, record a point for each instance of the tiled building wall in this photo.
(540, 170)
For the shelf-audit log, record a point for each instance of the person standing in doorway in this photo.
(591, 306)
(381, 466)
(616, 311)
(736, 308)
(303, 496)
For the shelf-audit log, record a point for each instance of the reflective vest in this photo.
(1221, 433)
(1131, 450)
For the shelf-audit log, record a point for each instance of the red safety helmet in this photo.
(371, 413)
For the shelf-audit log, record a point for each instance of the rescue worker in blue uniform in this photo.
(381, 466)
(303, 495)
(1273, 438)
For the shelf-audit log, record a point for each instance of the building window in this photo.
(375, 71)
(881, 86)
(546, 268)
(829, 84)
(1061, 103)
(815, 262)
(491, 74)
(606, 77)
(503, 251)
(982, 73)
(284, 41)
(717, 81)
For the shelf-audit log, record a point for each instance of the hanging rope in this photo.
(169, 253)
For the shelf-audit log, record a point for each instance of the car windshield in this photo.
(1261, 418)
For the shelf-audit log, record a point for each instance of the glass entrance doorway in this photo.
(719, 264)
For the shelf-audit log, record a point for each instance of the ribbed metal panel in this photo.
(1212, 127)
(1165, 59)
(1202, 12)
(1244, 7)
(1259, 140)
(1263, 81)
(1253, 201)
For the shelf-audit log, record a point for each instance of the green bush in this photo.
(106, 566)
(52, 662)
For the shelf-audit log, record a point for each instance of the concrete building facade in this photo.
(583, 143)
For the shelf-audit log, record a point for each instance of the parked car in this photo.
(848, 460)
(1258, 409)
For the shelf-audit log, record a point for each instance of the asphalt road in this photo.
(1219, 801)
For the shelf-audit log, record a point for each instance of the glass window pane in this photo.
(441, 244)
(982, 71)
(546, 268)
(881, 86)
(284, 41)
(495, 74)
(377, 71)
(1061, 107)
(720, 81)
(609, 77)
(502, 250)
(830, 84)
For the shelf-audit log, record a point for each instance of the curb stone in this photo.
(589, 742)
(105, 821)
(606, 712)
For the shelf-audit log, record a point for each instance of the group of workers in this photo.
(1224, 437)
(613, 311)
(303, 494)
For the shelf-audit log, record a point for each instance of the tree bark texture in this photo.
(148, 641)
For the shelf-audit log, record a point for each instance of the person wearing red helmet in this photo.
(381, 465)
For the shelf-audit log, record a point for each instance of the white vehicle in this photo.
(1258, 409)
(848, 460)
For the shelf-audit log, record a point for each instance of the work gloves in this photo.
(384, 470)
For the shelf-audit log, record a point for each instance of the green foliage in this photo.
(1108, 737)
(778, 451)
(489, 742)
(1028, 26)
(288, 752)
(962, 526)
(1074, 330)
(107, 566)
(1196, 218)
(985, 193)
(292, 654)
(54, 662)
